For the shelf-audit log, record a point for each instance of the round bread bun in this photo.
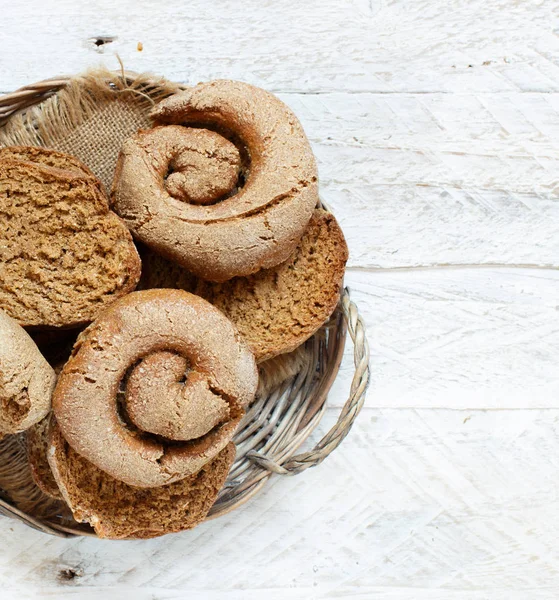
(155, 387)
(252, 209)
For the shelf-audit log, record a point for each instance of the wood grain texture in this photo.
(382, 46)
(442, 179)
(458, 337)
(435, 126)
(463, 502)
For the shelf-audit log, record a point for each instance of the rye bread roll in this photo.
(120, 511)
(155, 387)
(220, 209)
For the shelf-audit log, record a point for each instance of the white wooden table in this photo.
(436, 128)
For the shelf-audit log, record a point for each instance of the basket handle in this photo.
(300, 462)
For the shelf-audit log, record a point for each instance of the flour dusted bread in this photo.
(117, 510)
(275, 309)
(225, 185)
(63, 255)
(155, 387)
(26, 379)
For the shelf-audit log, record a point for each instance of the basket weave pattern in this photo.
(278, 422)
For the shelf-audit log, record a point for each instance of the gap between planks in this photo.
(452, 267)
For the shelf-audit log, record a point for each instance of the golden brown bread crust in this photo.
(26, 379)
(119, 511)
(117, 349)
(275, 309)
(63, 254)
(261, 222)
(193, 165)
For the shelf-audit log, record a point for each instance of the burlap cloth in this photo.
(90, 117)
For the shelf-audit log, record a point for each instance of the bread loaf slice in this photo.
(274, 309)
(118, 511)
(46, 157)
(63, 255)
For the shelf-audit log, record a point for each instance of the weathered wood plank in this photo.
(413, 501)
(421, 180)
(358, 46)
(458, 338)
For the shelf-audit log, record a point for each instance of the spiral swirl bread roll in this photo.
(26, 379)
(63, 254)
(120, 511)
(263, 169)
(187, 376)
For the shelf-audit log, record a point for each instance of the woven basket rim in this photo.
(346, 318)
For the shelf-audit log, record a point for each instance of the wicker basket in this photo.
(276, 425)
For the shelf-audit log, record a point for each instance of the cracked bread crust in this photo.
(147, 339)
(64, 255)
(259, 223)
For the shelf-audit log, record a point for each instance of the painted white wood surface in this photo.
(435, 125)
